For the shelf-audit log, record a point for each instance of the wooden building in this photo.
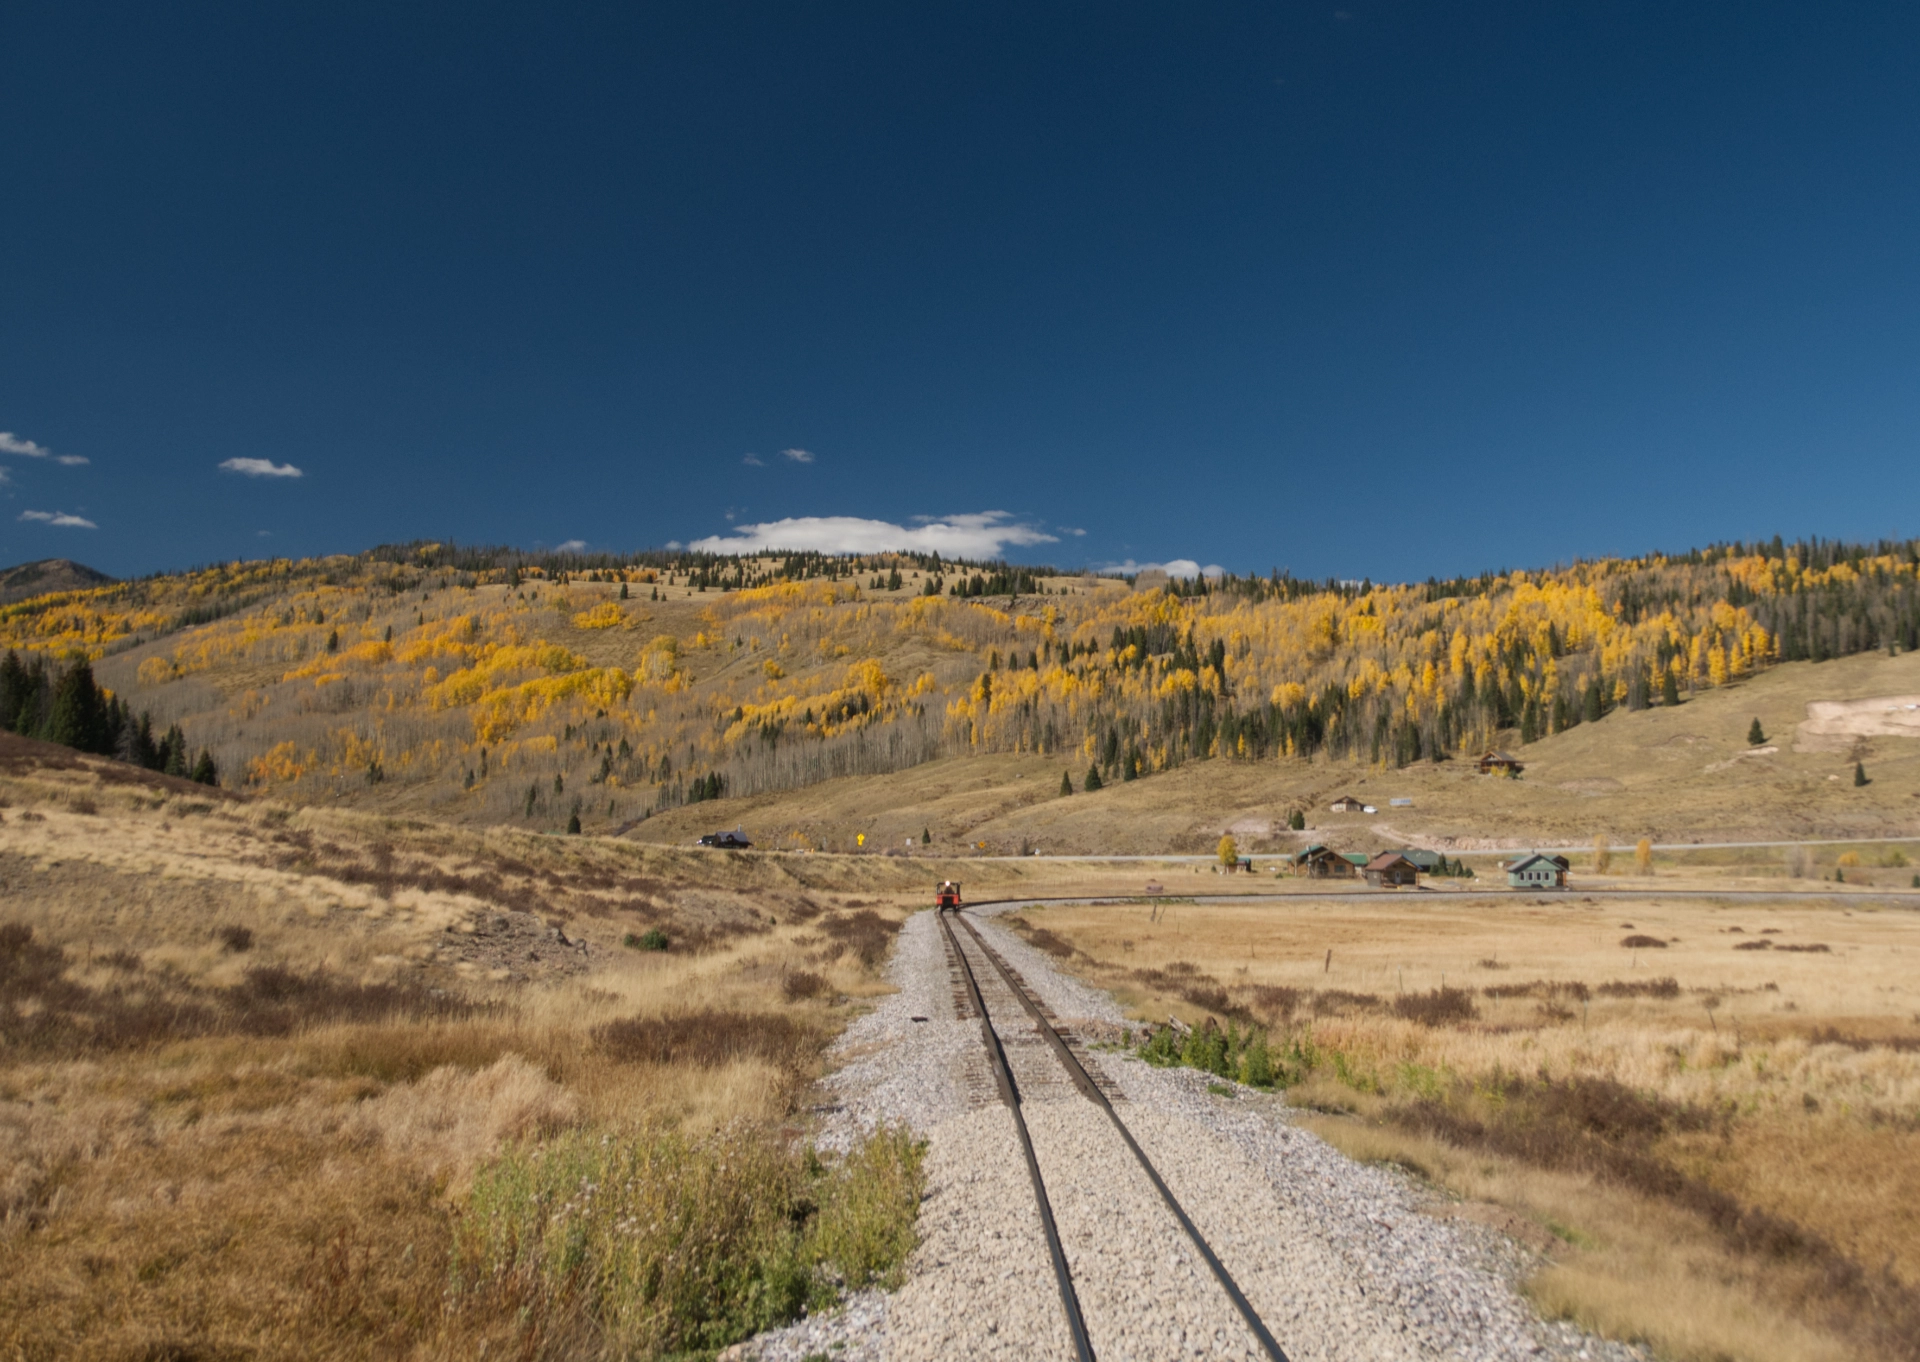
(1391, 870)
(1499, 764)
(1537, 871)
(1323, 863)
(1347, 804)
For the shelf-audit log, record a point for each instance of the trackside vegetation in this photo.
(658, 1244)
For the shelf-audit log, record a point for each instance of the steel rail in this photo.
(1091, 1091)
(1010, 1094)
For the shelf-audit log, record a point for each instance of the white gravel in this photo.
(1335, 1256)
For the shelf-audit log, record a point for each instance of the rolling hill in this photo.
(816, 700)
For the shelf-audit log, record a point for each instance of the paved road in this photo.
(1904, 897)
(1583, 846)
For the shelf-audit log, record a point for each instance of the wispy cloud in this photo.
(753, 461)
(59, 518)
(571, 546)
(13, 444)
(261, 468)
(1184, 568)
(797, 455)
(984, 534)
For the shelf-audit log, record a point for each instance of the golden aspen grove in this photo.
(509, 687)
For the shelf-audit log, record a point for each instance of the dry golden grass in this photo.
(252, 1060)
(1714, 1146)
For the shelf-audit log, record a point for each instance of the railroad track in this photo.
(1040, 1058)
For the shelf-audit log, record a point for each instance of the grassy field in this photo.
(1702, 1114)
(283, 1083)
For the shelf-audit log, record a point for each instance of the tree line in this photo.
(73, 710)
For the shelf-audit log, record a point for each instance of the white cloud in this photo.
(1183, 568)
(59, 518)
(753, 461)
(262, 468)
(5, 477)
(1068, 529)
(571, 546)
(13, 444)
(797, 455)
(981, 535)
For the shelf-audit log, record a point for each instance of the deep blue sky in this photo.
(1387, 290)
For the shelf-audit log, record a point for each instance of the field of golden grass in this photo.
(279, 1083)
(1712, 1136)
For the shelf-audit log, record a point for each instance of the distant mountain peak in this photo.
(49, 574)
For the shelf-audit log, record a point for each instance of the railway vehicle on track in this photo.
(947, 897)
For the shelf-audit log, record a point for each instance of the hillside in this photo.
(486, 687)
(28, 580)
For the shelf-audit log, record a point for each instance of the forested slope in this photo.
(490, 685)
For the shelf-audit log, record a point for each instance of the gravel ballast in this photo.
(1335, 1256)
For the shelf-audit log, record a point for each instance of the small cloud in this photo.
(982, 534)
(1184, 568)
(1068, 529)
(797, 455)
(5, 477)
(674, 545)
(263, 534)
(59, 518)
(262, 468)
(13, 444)
(571, 546)
(754, 461)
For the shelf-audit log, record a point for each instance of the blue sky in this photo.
(1380, 290)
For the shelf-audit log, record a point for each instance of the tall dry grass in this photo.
(1714, 1144)
(261, 1082)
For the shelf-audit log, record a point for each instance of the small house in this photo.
(1323, 863)
(1347, 804)
(1499, 764)
(1537, 871)
(1426, 862)
(1390, 870)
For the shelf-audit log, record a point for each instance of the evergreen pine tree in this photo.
(623, 591)
(1595, 701)
(141, 749)
(13, 690)
(1066, 782)
(573, 823)
(926, 838)
(1756, 735)
(1297, 821)
(173, 753)
(79, 718)
(1859, 773)
(204, 771)
(333, 641)
(1669, 688)
(1092, 782)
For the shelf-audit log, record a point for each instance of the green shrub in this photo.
(668, 1244)
(653, 939)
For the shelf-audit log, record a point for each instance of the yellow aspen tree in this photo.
(1229, 852)
(1643, 856)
